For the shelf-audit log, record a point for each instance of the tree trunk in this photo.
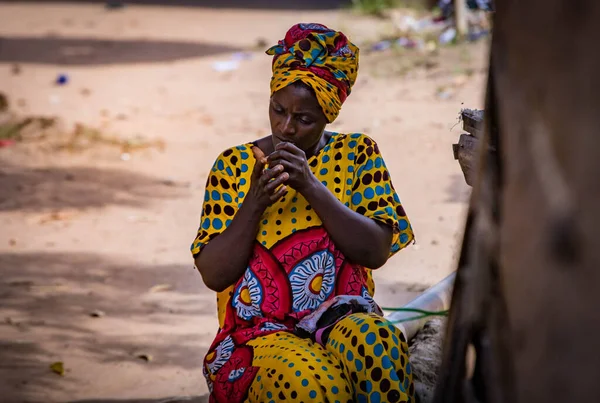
(460, 15)
(527, 290)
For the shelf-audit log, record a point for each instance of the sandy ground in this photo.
(94, 230)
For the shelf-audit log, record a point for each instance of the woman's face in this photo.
(296, 117)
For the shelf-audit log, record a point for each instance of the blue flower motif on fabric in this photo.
(208, 381)
(312, 280)
(216, 359)
(267, 326)
(248, 296)
(365, 294)
(235, 374)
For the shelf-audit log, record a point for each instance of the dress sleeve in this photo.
(220, 201)
(373, 194)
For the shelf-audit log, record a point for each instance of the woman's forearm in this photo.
(361, 239)
(225, 258)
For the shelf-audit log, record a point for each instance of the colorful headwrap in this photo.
(321, 58)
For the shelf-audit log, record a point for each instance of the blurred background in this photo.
(111, 115)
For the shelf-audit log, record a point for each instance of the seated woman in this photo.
(289, 226)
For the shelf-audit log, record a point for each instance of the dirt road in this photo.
(106, 233)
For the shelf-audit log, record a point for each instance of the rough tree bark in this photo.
(528, 284)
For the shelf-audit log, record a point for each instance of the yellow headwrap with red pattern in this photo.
(322, 58)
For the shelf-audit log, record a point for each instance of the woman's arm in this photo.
(224, 259)
(362, 240)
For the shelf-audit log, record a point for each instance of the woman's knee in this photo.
(371, 328)
(375, 355)
(298, 371)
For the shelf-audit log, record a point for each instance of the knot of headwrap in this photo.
(320, 57)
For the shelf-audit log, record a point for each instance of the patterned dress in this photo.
(295, 267)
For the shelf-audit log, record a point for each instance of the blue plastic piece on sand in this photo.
(62, 79)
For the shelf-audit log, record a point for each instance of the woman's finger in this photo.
(291, 148)
(288, 166)
(275, 183)
(270, 174)
(279, 194)
(282, 155)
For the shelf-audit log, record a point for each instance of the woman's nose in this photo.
(288, 126)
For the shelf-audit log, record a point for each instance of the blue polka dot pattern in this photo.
(370, 339)
(217, 223)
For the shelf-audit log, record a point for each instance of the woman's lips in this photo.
(281, 140)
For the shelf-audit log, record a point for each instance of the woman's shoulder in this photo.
(353, 139)
(355, 142)
(236, 156)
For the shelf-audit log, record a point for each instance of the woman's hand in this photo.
(294, 164)
(267, 186)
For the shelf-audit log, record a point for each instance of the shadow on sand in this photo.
(243, 4)
(91, 51)
(53, 188)
(47, 302)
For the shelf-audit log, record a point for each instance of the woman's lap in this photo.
(293, 368)
(365, 360)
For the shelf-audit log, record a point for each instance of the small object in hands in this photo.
(62, 79)
(58, 368)
(259, 155)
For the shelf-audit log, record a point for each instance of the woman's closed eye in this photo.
(305, 120)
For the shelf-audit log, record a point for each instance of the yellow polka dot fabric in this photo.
(350, 166)
(365, 360)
